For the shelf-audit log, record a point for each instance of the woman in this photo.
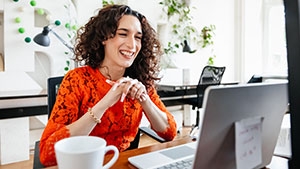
(108, 95)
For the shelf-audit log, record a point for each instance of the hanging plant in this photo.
(178, 14)
(172, 7)
(182, 30)
(105, 2)
(207, 34)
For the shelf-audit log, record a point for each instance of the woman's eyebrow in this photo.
(127, 30)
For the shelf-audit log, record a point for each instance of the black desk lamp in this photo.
(44, 40)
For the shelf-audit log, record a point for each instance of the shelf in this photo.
(1, 42)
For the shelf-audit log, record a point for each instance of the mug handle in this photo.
(114, 158)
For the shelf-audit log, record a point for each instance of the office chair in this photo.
(211, 75)
(52, 88)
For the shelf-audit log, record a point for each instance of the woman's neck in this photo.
(111, 73)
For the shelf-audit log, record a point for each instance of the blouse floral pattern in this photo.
(81, 89)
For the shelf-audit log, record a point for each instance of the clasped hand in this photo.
(131, 88)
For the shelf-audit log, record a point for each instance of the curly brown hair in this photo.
(90, 50)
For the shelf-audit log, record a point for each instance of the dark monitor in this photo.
(292, 20)
(255, 79)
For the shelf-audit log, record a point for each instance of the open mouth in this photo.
(127, 53)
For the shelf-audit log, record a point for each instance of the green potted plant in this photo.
(107, 2)
(184, 33)
(206, 36)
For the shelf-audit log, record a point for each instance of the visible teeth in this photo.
(127, 53)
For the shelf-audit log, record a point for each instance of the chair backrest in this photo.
(211, 75)
(52, 88)
(53, 85)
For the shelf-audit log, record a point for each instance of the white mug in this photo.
(80, 152)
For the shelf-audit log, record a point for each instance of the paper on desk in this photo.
(248, 142)
(283, 146)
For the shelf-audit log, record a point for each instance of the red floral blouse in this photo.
(82, 88)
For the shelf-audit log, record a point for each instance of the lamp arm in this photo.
(64, 42)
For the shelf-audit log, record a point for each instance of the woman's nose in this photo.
(130, 42)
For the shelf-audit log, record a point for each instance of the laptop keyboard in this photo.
(182, 164)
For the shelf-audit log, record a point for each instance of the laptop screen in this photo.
(224, 106)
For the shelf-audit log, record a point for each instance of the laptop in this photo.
(223, 106)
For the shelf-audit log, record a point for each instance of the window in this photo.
(275, 39)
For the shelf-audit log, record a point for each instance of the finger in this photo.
(137, 90)
(138, 93)
(110, 82)
(134, 92)
(143, 97)
(129, 85)
(120, 82)
(123, 79)
(122, 97)
(141, 93)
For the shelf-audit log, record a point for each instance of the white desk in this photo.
(23, 103)
(15, 109)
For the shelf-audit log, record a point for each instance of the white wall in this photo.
(149, 8)
(1, 32)
(222, 15)
(86, 9)
(28, 62)
(253, 63)
(1, 5)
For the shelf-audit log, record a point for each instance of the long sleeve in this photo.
(171, 132)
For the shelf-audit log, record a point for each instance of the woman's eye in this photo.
(122, 34)
(138, 37)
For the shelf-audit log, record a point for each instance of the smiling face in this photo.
(122, 49)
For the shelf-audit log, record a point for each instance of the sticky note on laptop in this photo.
(248, 142)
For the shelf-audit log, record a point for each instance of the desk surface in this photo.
(23, 103)
(24, 98)
(174, 87)
(184, 86)
(122, 162)
(22, 94)
(180, 93)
